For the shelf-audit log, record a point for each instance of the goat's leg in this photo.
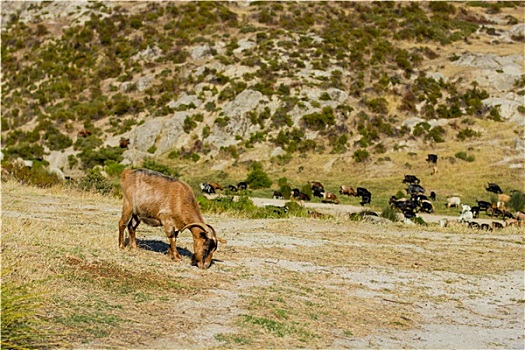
(132, 225)
(123, 222)
(172, 233)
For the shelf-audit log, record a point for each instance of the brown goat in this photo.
(349, 191)
(159, 200)
(216, 186)
(329, 197)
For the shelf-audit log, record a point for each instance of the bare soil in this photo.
(277, 283)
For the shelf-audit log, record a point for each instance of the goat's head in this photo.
(204, 244)
(465, 208)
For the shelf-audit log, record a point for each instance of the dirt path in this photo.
(345, 209)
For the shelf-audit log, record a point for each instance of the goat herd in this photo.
(416, 202)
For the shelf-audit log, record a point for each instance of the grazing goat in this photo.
(207, 188)
(298, 195)
(434, 170)
(316, 186)
(123, 143)
(432, 158)
(432, 196)
(159, 200)
(453, 202)
(426, 206)
(84, 133)
(504, 198)
(414, 189)
(216, 186)
(366, 196)
(346, 190)
(242, 186)
(410, 179)
(231, 188)
(492, 187)
(329, 197)
(277, 195)
(466, 214)
(483, 205)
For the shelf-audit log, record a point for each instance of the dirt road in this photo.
(345, 209)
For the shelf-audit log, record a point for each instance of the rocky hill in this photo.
(222, 84)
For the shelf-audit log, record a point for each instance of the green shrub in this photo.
(222, 121)
(377, 105)
(360, 155)
(436, 134)
(517, 201)
(257, 177)
(91, 158)
(90, 142)
(26, 151)
(318, 121)
(95, 181)
(114, 169)
(389, 213)
(465, 157)
(161, 168)
(55, 140)
(467, 133)
(37, 175)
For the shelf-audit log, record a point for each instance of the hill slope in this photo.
(336, 89)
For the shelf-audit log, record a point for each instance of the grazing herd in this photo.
(213, 187)
(416, 201)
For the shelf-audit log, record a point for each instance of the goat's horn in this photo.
(215, 235)
(206, 227)
(201, 225)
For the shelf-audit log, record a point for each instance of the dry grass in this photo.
(277, 283)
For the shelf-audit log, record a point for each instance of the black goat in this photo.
(410, 179)
(432, 158)
(492, 187)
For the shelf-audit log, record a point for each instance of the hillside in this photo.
(345, 92)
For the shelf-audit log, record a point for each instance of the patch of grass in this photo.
(22, 326)
(232, 339)
(117, 279)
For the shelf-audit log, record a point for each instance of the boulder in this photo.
(200, 52)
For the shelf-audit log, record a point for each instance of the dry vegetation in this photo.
(277, 283)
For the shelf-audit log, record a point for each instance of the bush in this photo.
(95, 181)
(465, 157)
(91, 158)
(389, 213)
(318, 121)
(257, 177)
(161, 168)
(37, 175)
(517, 201)
(361, 155)
(467, 133)
(57, 141)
